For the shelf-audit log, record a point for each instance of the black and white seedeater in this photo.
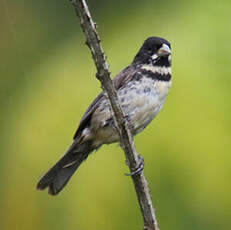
(142, 88)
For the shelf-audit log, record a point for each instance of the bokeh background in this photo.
(47, 81)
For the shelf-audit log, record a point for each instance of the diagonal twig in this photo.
(126, 139)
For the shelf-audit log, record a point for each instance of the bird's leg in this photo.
(127, 119)
(140, 158)
(126, 162)
(139, 169)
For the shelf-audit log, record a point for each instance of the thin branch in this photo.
(126, 139)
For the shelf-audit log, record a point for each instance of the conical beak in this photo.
(164, 51)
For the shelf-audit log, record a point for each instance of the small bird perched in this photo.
(141, 87)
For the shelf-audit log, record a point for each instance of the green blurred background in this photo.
(47, 81)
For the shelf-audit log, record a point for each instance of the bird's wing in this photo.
(87, 115)
(120, 79)
(124, 76)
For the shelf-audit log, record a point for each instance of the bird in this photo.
(141, 87)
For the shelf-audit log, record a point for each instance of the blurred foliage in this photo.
(47, 81)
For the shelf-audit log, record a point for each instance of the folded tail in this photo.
(58, 176)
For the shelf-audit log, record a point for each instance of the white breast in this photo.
(162, 87)
(144, 101)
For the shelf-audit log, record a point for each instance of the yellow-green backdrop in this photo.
(47, 81)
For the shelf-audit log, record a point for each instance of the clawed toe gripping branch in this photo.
(126, 139)
(138, 169)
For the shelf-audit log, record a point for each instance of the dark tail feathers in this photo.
(58, 176)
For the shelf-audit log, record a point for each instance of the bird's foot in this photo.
(127, 120)
(139, 169)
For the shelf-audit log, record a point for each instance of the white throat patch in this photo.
(157, 69)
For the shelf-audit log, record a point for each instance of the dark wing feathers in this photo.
(124, 76)
(87, 115)
(120, 79)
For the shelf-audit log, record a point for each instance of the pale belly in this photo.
(144, 103)
(141, 103)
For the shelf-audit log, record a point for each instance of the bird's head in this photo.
(155, 51)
